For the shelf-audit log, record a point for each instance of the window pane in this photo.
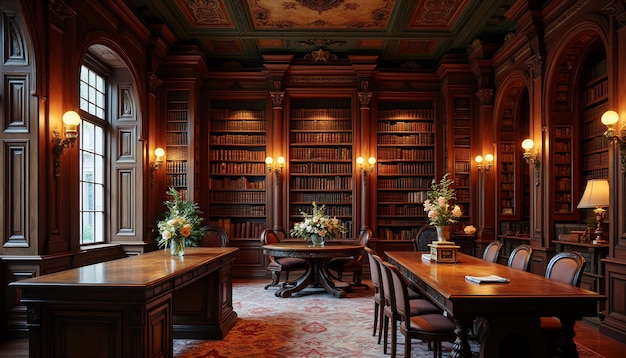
(87, 232)
(99, 227)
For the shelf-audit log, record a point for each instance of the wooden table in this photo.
(512, 310)
(131, 307)
(317, 256)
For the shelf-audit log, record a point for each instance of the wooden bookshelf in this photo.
(507, 201)
(237, 151)
(405, 166)
(461, 141)
(320, 159)
(177, 165)
(563, 194)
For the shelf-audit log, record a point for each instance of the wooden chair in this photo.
(566, 267)
(520, 257)
(342, 265)
(378, 294)
(424, 236)
(492, 251)
(391, 316)
(282, 264)
(429, 325)
(215, 237)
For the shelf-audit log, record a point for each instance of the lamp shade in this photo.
(596, 194)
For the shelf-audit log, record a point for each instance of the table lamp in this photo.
(596, 196)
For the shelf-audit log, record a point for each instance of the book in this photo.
(487, 279)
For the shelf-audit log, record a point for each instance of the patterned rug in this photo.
(311, 324)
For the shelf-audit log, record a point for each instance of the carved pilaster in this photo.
(617, 9)
(59, 12)
(485, 96)
(154, 82)
(364, 98)
(277, 99)
(535, 65)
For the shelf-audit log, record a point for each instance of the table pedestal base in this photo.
(315, 275)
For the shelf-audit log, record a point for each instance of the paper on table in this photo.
(487, 279)
(426, 257)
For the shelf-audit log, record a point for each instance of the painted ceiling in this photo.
(402, 33)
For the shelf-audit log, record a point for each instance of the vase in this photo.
(443, 233)
(317, 240)
(177, 247)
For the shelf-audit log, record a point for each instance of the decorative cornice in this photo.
(535, 64)
(364, 98)
(320, 56)
(566, 16)
(617, 9)
(59, 12)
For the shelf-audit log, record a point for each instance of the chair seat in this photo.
(431, 323)
(550, 323)
(287, 263)
(418, 306)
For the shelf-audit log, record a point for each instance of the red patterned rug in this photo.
(308, 325)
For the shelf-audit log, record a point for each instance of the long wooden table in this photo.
(131, 307)
(511, 310)
(317, 257)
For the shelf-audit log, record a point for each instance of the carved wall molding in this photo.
(485, 96)
(59, 12)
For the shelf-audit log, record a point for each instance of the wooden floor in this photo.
(586, 334)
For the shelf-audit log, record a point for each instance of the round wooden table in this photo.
(317, 257)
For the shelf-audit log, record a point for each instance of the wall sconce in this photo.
(532, 158)
(365, 168)
(276, 168)
(488, 159)
(610, 119)
(158, 160)
(71, 120)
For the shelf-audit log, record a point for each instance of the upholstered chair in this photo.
(354, 265)
(282, 264)
(215, 237)
(432, 327)
(378, 294)
(566, 267)
(391, 316)
(424, 236)
(520, 257)
(492, 251)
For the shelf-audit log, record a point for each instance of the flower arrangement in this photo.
(440, 212)
(182, 224)
(318, 224)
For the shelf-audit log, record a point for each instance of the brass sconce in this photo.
(158, 161)
(532, 158)
(365, 168)
(484, 168)
(276, 168)
(610, 119)
(71, 120)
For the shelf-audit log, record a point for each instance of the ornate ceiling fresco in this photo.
(402, 33)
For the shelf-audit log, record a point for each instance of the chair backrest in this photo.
(520, 257)
(215, 237)
(385, 282)
(365, 235)
(269, 237)
(566, 267)
(492, 251)
(400, 296)
(374, 269)
(424, 236)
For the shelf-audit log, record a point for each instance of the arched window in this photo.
(92, 154)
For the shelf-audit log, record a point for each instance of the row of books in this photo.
(176, 138)
(176, 166)
(250, 197)
(418, 138)
(598, 91)
(400, 183)
(177, 126)
(237, 139)
(329, 125)
(176, 180)
(406, 153)
(389, 234)
(320, 113)
(331, 210)
(236, 114)
(416, 113)
(238, 168)
(321, 197)
(303, 138)
(341, 153)
(240, 183)
(238, 210)
(322, 183)
(401, 210)
(403, 126)
(176, 152)
(237, 154)
(411, 196)
(178, 106)
(248, 125)
(244, 229)
(407, 168)
(321, 168)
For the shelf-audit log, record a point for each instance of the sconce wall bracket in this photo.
(620, 143)
(58, 146)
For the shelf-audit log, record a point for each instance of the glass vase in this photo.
(317, 240)
(443, 233)
(177, 247)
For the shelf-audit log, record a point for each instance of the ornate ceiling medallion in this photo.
(320, 5)
(320, 56)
